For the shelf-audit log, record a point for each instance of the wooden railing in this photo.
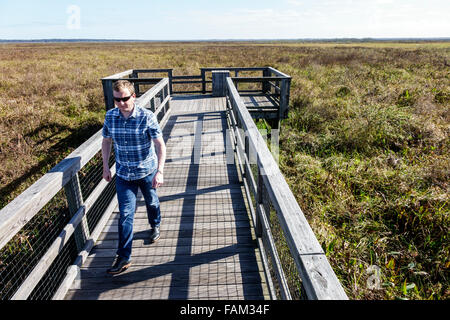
(65, 175)
(269, 194)
(273, 83)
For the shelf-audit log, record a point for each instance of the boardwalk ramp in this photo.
(206, 250)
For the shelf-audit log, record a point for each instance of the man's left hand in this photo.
(158, 180)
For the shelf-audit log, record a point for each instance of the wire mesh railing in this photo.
(21, 253)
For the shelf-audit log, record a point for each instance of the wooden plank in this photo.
(215, 236)
(200, 211)
(141, 80)
(179, 250)
(184, 233)
(152, 260)
(145, 271)
(210, 191)
(190, 225)
(202, 292)
(141, 240)
(152, 70)
(255, 79)
(195, 221)
(186, 77)
(150, 277)
(140, 218)
(119, 75)
(257, 101)
(236, 68)
(225, 196)
(187, 82)
(202, 181)
(278, 73)
(198, 199)
(184, 92)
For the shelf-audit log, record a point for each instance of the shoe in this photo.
(154, 235)
(119, 266)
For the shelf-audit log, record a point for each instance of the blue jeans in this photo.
(126, 196)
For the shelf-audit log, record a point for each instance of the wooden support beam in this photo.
(75, 202)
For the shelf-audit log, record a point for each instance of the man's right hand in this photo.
(107, 174)
(106, 150)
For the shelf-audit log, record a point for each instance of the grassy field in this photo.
(365, 148)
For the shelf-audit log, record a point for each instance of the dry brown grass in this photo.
(365, 149)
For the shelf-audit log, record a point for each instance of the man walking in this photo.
(136, 134)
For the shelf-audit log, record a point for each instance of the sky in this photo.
(230, 19)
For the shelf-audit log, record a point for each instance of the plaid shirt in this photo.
(132, 138)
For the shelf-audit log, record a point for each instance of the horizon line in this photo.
(363, 39)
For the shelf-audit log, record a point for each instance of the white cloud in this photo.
(295, 2)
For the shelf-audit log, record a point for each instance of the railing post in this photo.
(284, 98)
(203, 72)
(219, 82)
(152, 104)
(136, 85)
(166, 93)
(75, 201)
(259, 201)
(170, 73)
(275, 143)
(247, 154)
(108, 93)
(265, 84)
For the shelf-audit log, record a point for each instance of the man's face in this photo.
(124, 106)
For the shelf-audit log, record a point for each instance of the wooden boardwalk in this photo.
(207, 248)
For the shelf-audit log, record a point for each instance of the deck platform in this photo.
(260, 106)
(207, 248)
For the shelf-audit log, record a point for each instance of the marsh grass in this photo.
(365, 149)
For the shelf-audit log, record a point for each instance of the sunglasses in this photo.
(122, 99)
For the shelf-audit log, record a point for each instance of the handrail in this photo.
(133, 76)
(318, 278)
(20, 210)
(15, 215)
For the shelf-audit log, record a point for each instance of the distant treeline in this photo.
(245, 40)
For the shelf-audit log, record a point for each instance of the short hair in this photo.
(123, 84)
